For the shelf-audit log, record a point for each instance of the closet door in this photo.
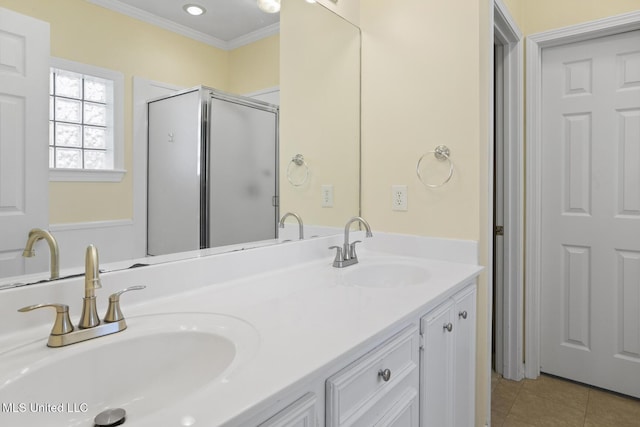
(590, 205)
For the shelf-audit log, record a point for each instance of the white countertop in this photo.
(305, 314)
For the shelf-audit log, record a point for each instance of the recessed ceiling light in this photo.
(269, 6)
(194, 9)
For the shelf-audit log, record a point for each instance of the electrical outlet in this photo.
(327, 196)
(399, 197)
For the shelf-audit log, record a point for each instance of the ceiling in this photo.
(227, 24)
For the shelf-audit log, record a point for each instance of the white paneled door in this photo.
(590, 265)
(24, 138)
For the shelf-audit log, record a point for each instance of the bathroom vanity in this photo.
(273, 336)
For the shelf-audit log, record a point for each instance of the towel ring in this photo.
(441, 153)
(298, 160)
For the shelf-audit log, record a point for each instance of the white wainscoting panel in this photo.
(114, 240)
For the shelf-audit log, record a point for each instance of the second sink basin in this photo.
(158, 361)
(383, 273)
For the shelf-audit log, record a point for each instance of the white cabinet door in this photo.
(436, 368)
(301, 413)
(24, 136)
(447, 364)
(464, 371)
(380, 388)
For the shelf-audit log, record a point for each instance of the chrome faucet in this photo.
(37, 234)
(300, 225)
(89, 326)
(346, 255)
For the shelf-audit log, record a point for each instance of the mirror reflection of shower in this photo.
(212, 171)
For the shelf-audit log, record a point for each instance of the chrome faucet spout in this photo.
(92, 272)
(89, 317)
(37, 234)
(351, 221)
(300, 225)
(347, 255)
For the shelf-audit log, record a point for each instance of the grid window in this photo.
(81, 121)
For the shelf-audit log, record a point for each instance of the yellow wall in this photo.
(516, 9)
(255, 66)
(320, 112)
(86, 33)
(420, 90)
(425, 83)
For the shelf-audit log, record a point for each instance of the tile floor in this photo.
(550, 401)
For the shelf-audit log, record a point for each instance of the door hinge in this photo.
(275, 201)
(421, 341)
(499, 230)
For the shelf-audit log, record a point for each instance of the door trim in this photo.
(535, 44)
(507, 33)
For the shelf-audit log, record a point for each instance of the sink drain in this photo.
(110, 418)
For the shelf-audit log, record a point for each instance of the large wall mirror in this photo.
(313, 61)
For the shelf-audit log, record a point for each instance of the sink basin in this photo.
(385, 274)
(158, 361)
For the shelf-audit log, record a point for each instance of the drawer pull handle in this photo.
(463, 314)
(385, 374)
(448, 327)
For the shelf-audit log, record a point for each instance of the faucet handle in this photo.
(62, 325)
(339, 254)
(113, 311)
(352, 249)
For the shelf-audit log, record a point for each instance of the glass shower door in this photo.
(242, 174)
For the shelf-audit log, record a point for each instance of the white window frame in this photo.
(98, 175)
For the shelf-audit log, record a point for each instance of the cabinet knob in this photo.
(463, 314)
(448, 327)
(385, 374)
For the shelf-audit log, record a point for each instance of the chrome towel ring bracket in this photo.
(441, 153)
(297, 160)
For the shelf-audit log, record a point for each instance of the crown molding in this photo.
(587, 30)
(254, 36)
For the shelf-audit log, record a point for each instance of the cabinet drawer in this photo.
(359, 388)
(403, 413)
